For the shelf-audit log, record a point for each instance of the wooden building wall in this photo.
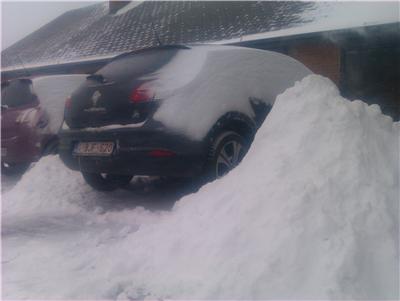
(364, 63)
(320, 57)
(317, 53)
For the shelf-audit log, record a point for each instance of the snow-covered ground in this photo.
(311, 213)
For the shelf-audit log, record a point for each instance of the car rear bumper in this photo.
(132, 154)
(20, 149)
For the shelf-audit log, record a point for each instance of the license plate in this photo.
(3, 152)
(94, 148)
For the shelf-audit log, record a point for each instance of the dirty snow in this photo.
(219, 80)
(312, 212)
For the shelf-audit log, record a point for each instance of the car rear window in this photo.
(137, 64)
(17, 93)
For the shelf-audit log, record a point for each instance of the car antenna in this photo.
(156, 33)
(23, 66)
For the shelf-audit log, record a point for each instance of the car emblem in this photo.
(94, 109)
(95, 98)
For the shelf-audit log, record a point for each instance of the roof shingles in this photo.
(91, 31)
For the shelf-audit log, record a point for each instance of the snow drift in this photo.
(312, 212)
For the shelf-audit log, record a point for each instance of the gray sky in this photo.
(20, 18)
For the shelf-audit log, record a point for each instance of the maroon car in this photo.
(31, 113)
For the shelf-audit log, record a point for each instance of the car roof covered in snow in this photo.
(160, 47)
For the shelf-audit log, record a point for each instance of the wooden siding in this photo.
(321, 57)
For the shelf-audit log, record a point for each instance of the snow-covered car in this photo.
(172, 111)
(31, 114)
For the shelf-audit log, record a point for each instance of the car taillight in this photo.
(68, 102)
(141, 94)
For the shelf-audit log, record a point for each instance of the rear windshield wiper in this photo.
(97, 77)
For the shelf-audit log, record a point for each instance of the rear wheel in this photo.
(227, 151)
(106, 182)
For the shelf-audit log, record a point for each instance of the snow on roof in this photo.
(91, 32)
(128, 7)
(328, 16)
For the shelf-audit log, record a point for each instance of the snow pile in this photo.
(311, 213)
(49, 189)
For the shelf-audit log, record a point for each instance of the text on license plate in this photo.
(94, 148)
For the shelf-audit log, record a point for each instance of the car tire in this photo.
(106, 182)
(226, 152)
(10, 169)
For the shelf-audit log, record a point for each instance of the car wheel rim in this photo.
(230, 155)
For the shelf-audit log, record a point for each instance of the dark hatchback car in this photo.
(31, 114)
(176, 111)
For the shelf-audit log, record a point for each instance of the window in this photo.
(17, 93)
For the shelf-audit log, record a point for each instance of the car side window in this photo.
(17, 93)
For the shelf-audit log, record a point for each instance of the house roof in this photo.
(333, 16)
(92, 32)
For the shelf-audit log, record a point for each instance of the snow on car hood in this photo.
(312, 212)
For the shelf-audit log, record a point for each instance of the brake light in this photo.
(161, 153)
(68, 102)
(141, 94)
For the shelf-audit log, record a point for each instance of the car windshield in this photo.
(16, 93)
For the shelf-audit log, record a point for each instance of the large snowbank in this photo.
(311, 213)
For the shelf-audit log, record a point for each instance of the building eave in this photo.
(38, 66)
(269, 37)
(299, 32)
